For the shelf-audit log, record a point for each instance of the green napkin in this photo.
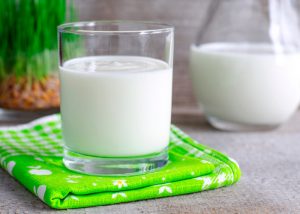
(32, 154)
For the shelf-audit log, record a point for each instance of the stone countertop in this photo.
(270, 162)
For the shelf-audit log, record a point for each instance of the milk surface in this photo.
(245, 84)
(116, 106)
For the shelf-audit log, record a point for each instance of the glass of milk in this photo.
(245, 66)
(116, 87)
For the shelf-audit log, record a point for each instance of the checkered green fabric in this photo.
(32, 153)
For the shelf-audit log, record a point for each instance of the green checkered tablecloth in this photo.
(32, 154)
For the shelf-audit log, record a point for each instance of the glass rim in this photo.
(77, 27)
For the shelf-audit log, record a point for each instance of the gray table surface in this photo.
(270, 183)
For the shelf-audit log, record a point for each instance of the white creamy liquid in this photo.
(245, 84)
(114, 106)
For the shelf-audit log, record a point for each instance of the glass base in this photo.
(234, 126)
(114, 166)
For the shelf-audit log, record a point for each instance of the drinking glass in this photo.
(116, 87)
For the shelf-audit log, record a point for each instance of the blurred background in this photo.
(187, 16)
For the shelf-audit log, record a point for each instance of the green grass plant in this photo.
(28, 36)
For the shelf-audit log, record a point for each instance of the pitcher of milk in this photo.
(245, 64)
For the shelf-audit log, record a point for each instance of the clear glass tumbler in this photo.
(116, 91)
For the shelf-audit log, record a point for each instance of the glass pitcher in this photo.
(245, 64)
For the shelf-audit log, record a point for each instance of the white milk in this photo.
(116, 106)
(245, 84)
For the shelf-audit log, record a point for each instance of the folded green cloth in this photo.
(32, 154)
